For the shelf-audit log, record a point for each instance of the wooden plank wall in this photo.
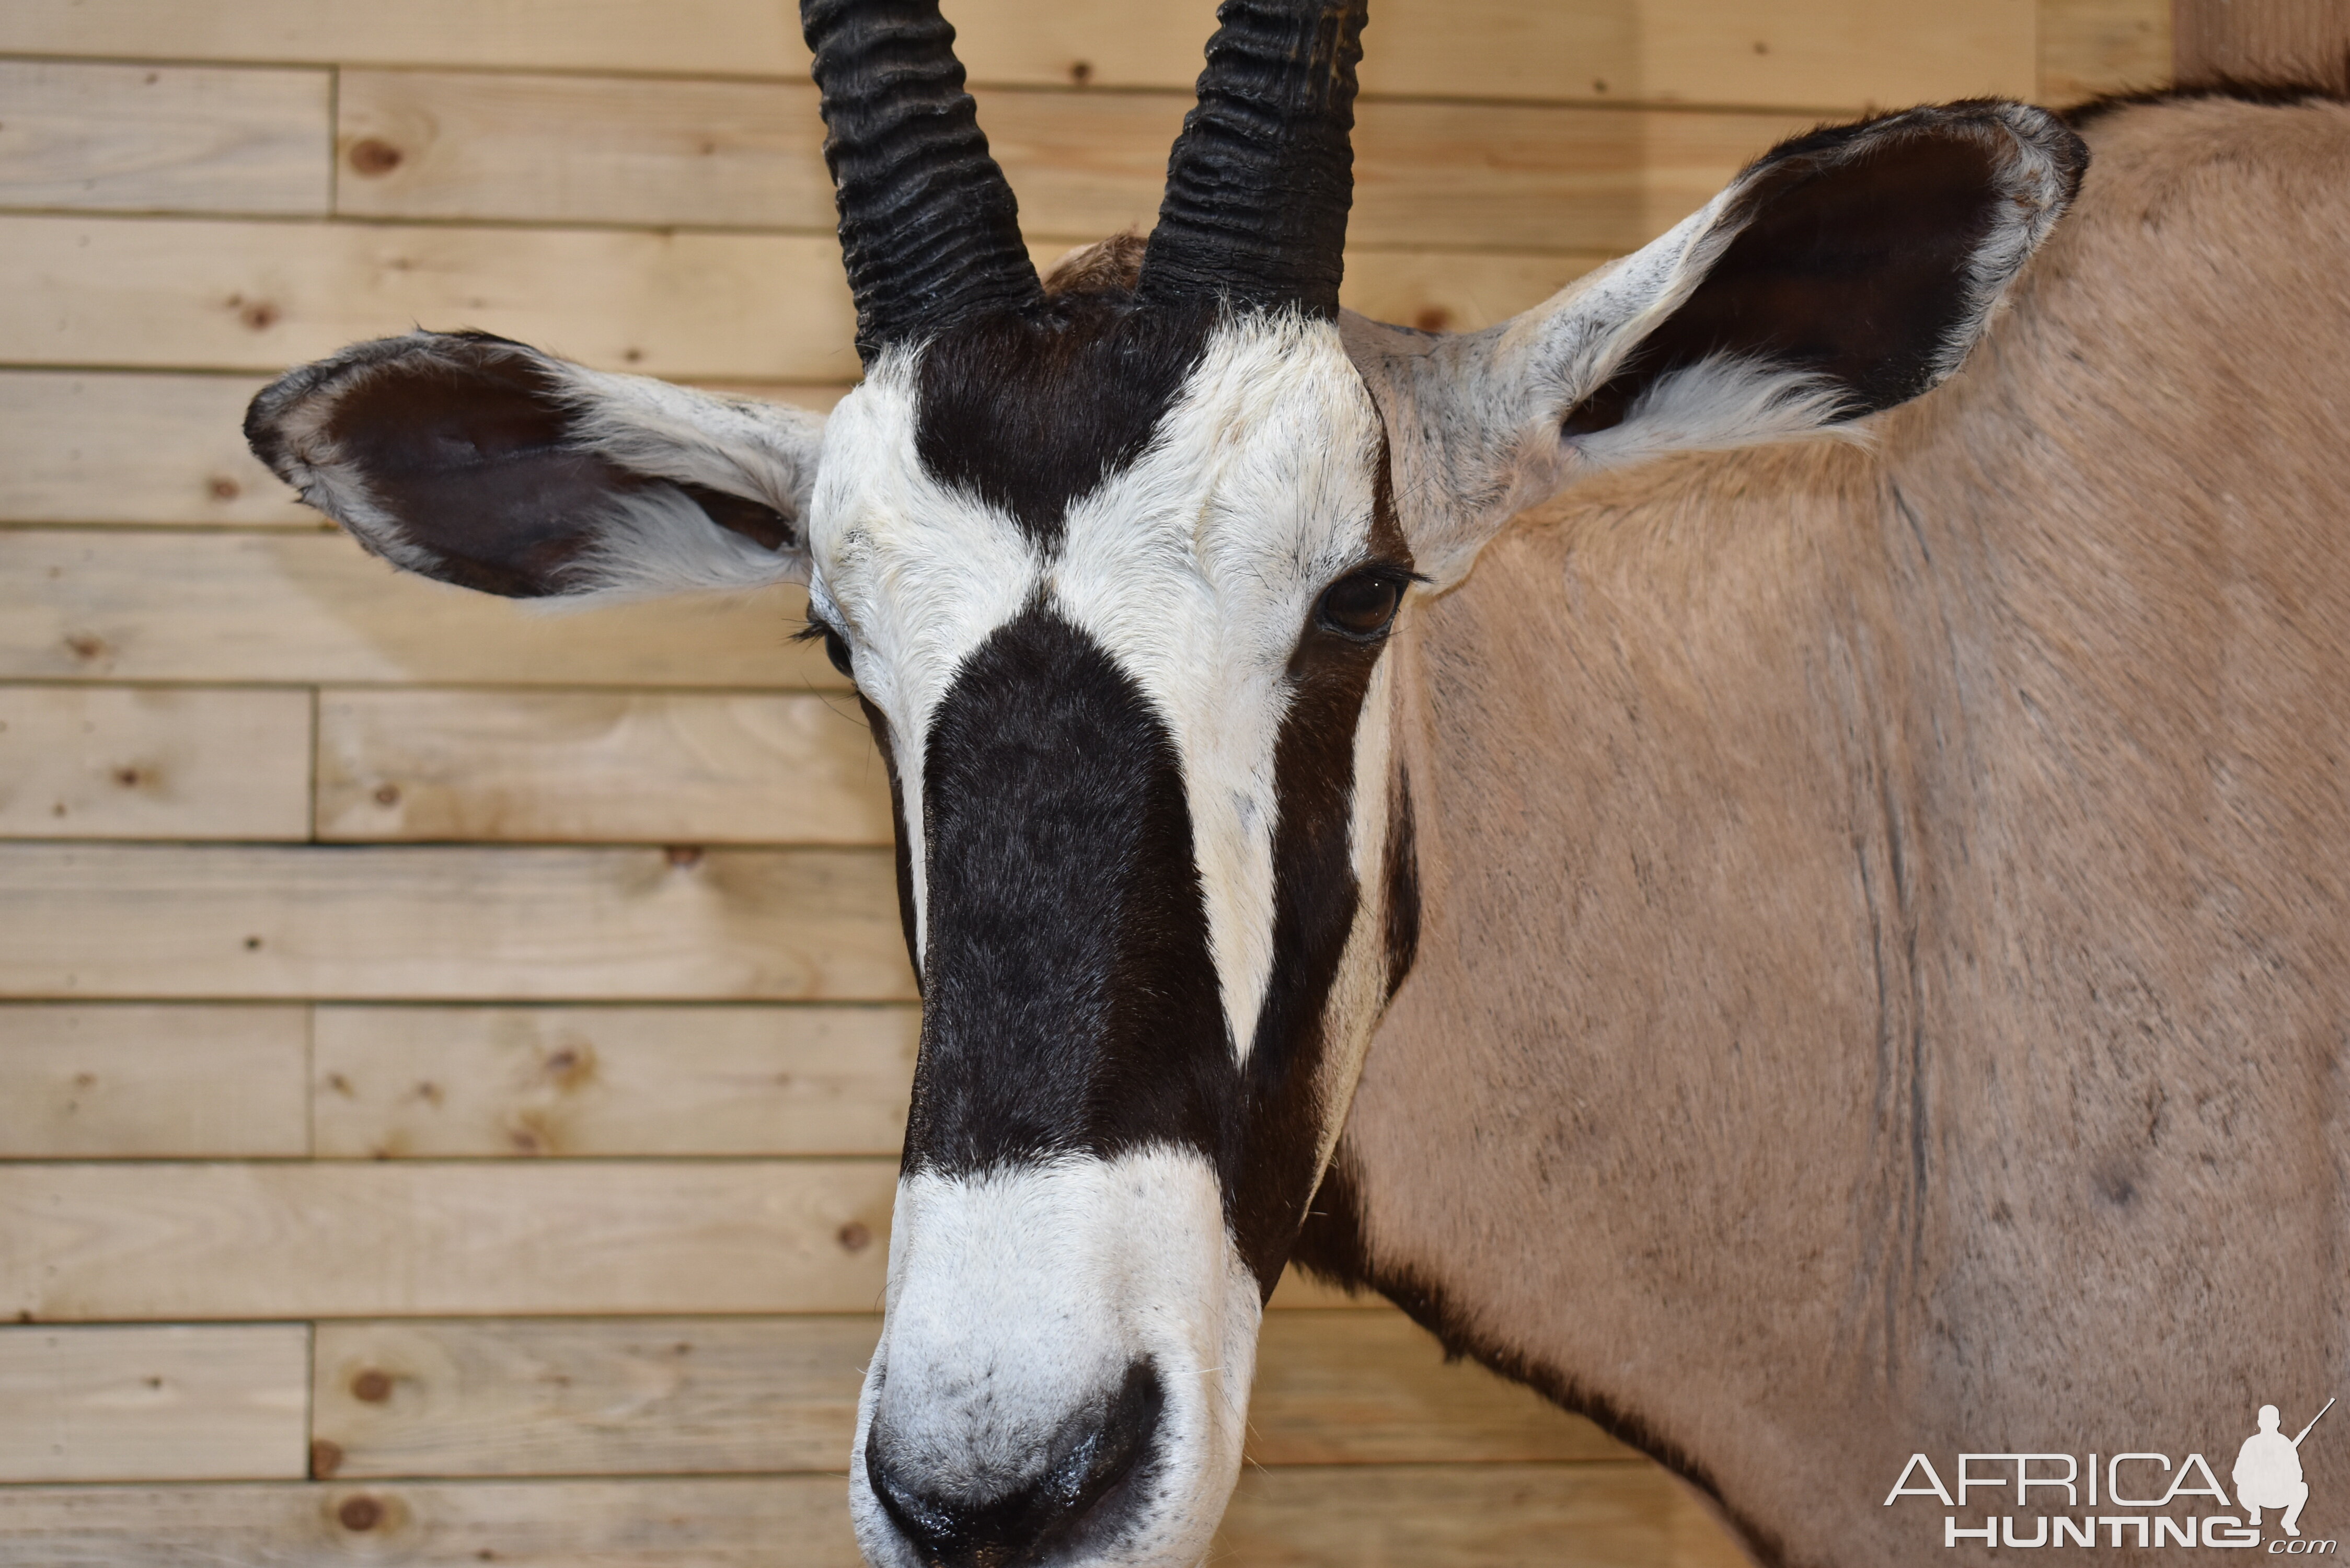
(451, 1057)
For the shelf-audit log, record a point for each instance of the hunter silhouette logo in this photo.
(2268, 1471)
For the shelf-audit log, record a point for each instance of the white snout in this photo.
(1021, 1300)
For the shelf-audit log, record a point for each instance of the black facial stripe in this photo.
(1031, 412)
(904, 857)
(1071, 1004)
(1403, 883)
(1315, 902)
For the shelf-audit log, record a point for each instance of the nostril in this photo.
(1108, 1454)
(1089, 1459)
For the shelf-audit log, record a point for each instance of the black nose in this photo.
(1076, 1496)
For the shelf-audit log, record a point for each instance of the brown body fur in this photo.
(1882, 984)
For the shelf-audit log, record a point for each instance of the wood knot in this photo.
(224, 489)
(1081, 72)
(260, 315)
(359, 1513)
(371, 1387)
(326, 1458)
(1435, 319)
(127, 777)
(684, 854)
(374, 157)
(387, 795)
(81, 645)
(855, 1237)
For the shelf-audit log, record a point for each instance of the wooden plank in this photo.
(134, 449)
(2289, 42)
(1823, 54)
(287, 608)
(723, 37)
(227, 1403)
(424, 1082)
(1371, 1387)
(143, 1243)
(800, 1520)
(429, 924)
(116, 761)
(180, 138)
(2089, 47)
(168, 293)
(597, 767)
(555, 1398)
(713, 1396)
(125, 1081)
(573, 148)
(743, 154)
(1624, 1515)
(184, 293)
(1471, 1516)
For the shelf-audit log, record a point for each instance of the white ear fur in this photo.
(657, 541)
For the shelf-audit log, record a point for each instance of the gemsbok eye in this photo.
(1361, 605)
(836, 647)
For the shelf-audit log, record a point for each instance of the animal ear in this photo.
(488, 465)
(1843, 273)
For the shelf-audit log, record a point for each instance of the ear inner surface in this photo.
(481, 462)
(1856, 263)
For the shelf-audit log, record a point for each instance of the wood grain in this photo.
(168, 294)
(187, 139)
(489, 1082)
(718, 1395)
(2289, 42)
(596, 767)
(448, 924)
(1462, 1516)
(2088, 47)
(551, 1397)
(181, 607)
(114, 762)
(801, 1520)
(1823, 54)
(1480, 1516)
(181, 293)
(146, 1242)
(133, 1082)
(563, 149)
(134, 449)
(227, 1403)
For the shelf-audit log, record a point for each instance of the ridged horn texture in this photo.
(928, 223)
(1260, 181)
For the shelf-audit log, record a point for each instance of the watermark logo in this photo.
(2143, 1498)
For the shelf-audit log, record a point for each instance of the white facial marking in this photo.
(1017, 1300)
(917, 575)
(1196, 567)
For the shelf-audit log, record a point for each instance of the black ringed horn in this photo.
(928, 224)
(1260, 180)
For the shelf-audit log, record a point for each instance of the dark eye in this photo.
(1362, 603)
(836, 650)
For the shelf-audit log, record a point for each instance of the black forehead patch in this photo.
(1031, 412)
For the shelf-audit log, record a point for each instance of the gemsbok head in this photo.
(1114, 559)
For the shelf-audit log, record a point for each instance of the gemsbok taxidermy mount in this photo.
(1808, 954)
